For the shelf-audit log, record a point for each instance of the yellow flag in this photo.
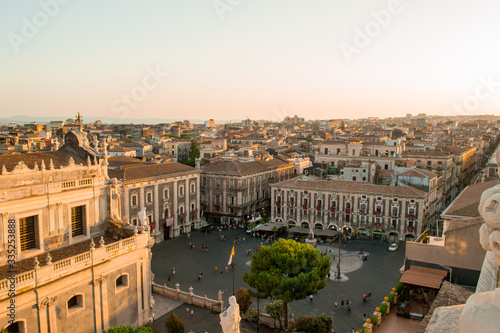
(231, 257)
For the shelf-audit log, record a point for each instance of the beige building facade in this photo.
(59, 269)
(232, 189)
(394, 213)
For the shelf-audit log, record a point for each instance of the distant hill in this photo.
(106, 120)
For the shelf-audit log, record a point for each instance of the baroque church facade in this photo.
(61, 270)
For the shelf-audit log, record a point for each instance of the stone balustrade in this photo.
(57, 269)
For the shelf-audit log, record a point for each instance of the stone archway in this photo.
(304, 224)
(393, 237)
(318, 226)
(409, 238)
(332, 227)
(291, 224)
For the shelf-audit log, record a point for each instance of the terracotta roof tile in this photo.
(467, 202)
(59, 158)
(351, 186)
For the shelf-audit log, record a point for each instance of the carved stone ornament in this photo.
(21, 167)
(482, 310)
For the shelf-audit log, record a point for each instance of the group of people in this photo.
(347, 302)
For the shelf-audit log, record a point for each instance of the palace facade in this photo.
(394, 213)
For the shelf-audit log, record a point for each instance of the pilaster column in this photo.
(175, 190)
(52, 315)
(104, 295)
(4, 217)
(126, 201)
(156, 208)
(42, 315)
(97, 304)
(59, 217)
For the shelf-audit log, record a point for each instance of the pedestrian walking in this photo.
(202, 247)
(353, 330)
(329, 274)
(187, 311)
(206, 248)
(192, 312)
(336, 304)
(347, 301)
(173, 270)
(311, 298)
(364, 316)
(215, 269)
(226, 269)
(169, 279)
(199, 277)
(364, 297)
(342, 302)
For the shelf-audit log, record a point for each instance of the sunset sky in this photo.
(233, 59)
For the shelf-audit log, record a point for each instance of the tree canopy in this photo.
(287, 271)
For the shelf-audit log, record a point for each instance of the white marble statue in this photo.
(230, 319)
(482, 310)
(142, 217)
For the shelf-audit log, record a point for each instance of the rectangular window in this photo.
(217, 199)
(149, 197)
(193, 187)
(27, 233)
(77, 221)
(181, 191)
(134, 200)
(166, 193)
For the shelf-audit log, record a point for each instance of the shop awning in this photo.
(377, 232)
(423, 277)
(269, 226)
(362, 230)
(328, 233)
(305, 231)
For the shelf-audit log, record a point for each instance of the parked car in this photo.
(393, 247)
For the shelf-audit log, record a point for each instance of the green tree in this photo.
(310, 325)
(244, 299)
(193, 154)
(287, 271)
(174, 324)
(275, 310)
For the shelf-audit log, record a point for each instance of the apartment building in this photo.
(393, 213)
(232, 188)
(383, 153)
(170, 193)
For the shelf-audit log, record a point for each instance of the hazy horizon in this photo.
(233, 59)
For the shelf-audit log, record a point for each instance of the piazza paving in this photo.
(378, 274)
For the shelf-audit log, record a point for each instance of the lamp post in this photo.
(338, 264)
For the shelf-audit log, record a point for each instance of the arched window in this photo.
(17, 327)
(75, 303)
(121, 282)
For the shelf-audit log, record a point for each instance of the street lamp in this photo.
(338, 264)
